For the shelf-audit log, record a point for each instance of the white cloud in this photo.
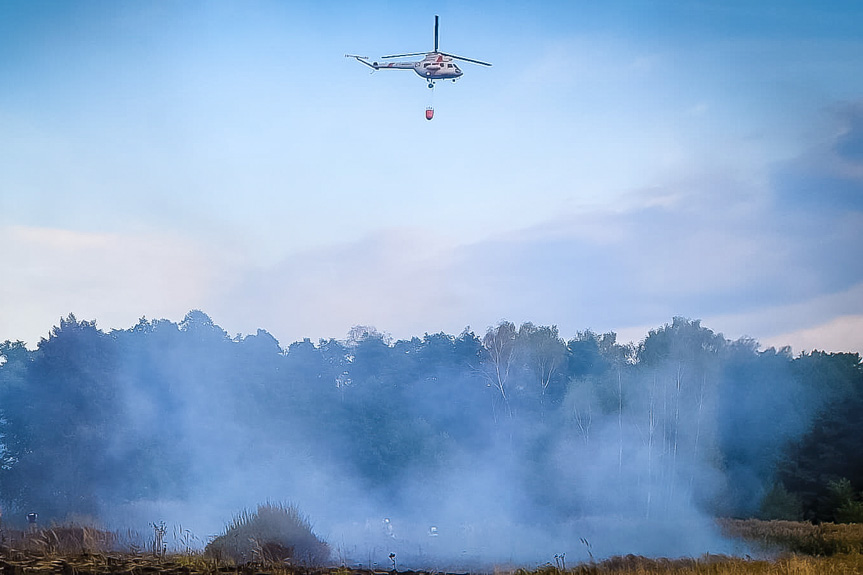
(394, 279)
(828, 322)
(112, 278)
(844, 333)
(706, 246)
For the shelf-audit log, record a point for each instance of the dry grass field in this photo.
(797, 548)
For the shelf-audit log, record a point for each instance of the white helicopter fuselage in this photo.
(437, 67)
(432, 67)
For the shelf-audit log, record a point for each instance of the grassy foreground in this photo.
(826, 539)
(798, 548)
(629, 565)
(714, 565)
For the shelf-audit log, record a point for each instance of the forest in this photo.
(517, 420)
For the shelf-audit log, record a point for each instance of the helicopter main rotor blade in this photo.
(480, 62)
(421, 53)
(408, 54)
(436, 51)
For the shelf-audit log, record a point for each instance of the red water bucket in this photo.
(429, 113)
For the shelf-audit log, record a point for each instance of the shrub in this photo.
(275, 533)
(846, 503)
(779, 503)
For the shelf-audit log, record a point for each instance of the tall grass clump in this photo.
(275, 533)
(67, 538)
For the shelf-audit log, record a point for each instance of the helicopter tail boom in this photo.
(362, 60)
(382, 66)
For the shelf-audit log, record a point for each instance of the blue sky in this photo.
(621, 163)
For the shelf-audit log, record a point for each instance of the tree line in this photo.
(588, 425)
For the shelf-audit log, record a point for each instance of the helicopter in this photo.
(436, 65)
